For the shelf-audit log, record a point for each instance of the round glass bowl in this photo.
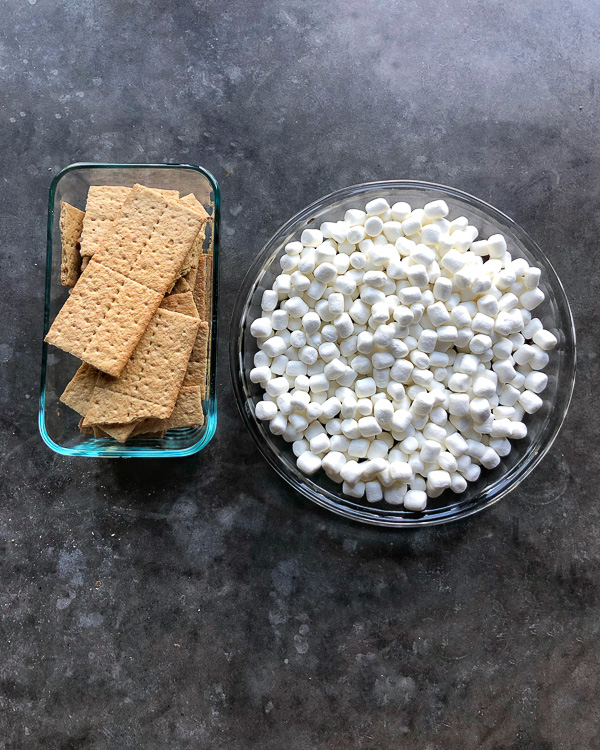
(543, 426)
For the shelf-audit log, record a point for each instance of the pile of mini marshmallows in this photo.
(398, 353)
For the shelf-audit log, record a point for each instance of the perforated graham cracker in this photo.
(104, 203)
(150, 382)
(181, 303)
(193, 202)
(78, 393)
(191, 262)
(104, 318)
(187, 412)
(151, 239)
(70, 223)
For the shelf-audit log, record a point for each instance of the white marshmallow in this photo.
(261, 327)
(545, 339)
(377, 206)
(308, 463)
(401, 211)
(373, 226)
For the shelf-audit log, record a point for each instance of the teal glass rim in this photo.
(146, 447)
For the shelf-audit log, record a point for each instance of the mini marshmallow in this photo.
(261, 328)
(278, 424)
(392, 230)
(308, 463)
(311, 238)
(442, 289)
(369, 427)
(545, 339)
(265, 410)
(536, 381)
(401, 211)
(431, 235)
(411, 225)
(365, 387)
(531, 277)
(274, 346)
(377, 206)
(532, 298)
(530, 401)
(311, 322)
(496, 246)
(417, 275)
(373, 226)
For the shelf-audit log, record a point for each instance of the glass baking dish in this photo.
(58, 424)
(543, 426)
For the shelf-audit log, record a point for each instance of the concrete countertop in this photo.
(199, 603)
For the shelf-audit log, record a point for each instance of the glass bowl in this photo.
(543, 426)
(57, 423)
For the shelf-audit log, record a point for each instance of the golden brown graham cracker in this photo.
(187, 412)
(151, 239)
(191, 263)
(70, 223)
(181, 285)
(191, 201)
(150, 382)
(199, 288)
(198, 363)
(104, 318)
(85, 430)
(118, 293)
(78, 393)
(104, 203)
(182, 303)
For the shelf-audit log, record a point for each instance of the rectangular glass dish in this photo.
(58, 424)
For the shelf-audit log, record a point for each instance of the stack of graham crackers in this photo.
(138, 314)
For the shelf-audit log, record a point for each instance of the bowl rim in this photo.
(211, 416)
(236, 366)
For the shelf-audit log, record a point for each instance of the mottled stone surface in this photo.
(198, 603)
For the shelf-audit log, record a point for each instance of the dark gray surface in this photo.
(198, 603)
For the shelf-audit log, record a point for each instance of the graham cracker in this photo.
(150, 381)
(70, 223)
(193, 202)
(191, 262)
(151, 239)
(191, 275)
(85, 430)
(119, 432)
(198, 365)
(199, 288)
(181, 303)
(104, 318)
(187, 412)
(104, 204)
(78, 393)
(181, 285)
